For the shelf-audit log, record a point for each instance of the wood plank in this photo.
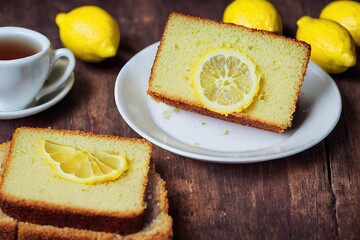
(344, 154)
(287, 198)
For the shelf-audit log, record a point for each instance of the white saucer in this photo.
(208, 139)
(48, 100)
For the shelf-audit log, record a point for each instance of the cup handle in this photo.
(58, 53)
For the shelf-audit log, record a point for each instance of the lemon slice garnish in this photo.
(225, 80)
(82, 166)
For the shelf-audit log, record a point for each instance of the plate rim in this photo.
(217, 159)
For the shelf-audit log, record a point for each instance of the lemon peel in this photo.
(225, 80)
(83, 166)
(90, 32)
(348, 16)
(259, 14)
(332, 46)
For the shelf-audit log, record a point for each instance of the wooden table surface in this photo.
(311, 195)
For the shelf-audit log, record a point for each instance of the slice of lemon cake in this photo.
(229, 72)
(7, 224)
(76, 179)
(157, 222)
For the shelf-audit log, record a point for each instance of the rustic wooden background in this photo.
(311, 195)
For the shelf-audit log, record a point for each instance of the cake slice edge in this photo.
(240, 117)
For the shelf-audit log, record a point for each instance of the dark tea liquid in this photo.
(14, 49)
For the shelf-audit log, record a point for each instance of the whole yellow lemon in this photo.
(347, 13)
(332, 46)
(259, 14)
(90, 32)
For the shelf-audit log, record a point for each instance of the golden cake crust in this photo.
(241, 117)
(7, 224)
(40, 213)
(7, 229)
(64, 216)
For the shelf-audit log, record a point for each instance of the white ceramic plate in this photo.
(48, 100)
(204, 138)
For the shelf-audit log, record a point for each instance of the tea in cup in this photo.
(26, 60)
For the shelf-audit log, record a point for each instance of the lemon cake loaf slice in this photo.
(279, 64)
(7, 224)
(157, 221)
(32, 190)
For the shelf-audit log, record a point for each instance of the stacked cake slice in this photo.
(39, 203)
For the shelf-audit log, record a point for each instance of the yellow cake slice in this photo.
(157, 222)
(31, 190)
(7, 224)
(281, 61)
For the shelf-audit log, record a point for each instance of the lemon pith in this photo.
(225, 80)
(81, 166)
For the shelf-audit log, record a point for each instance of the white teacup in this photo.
(26, 59)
